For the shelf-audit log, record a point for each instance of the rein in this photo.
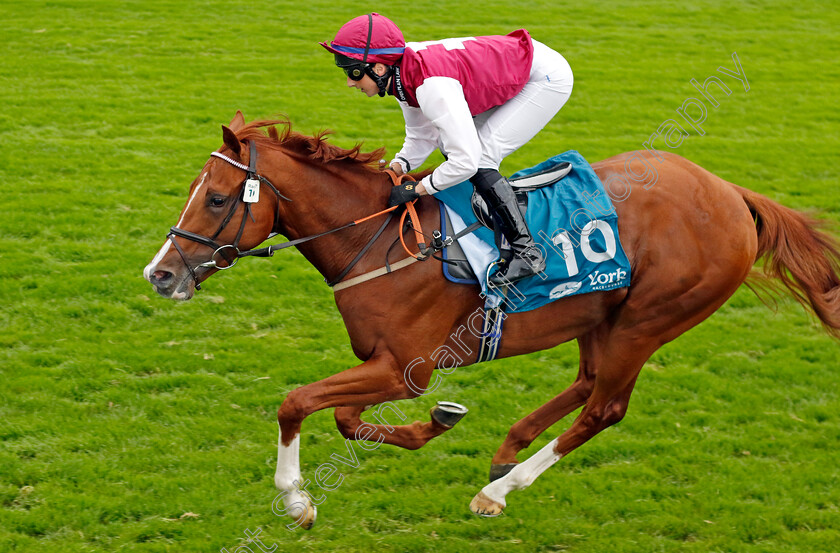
(250, 194)
(336, 283)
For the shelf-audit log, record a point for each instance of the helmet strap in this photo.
(380, 80)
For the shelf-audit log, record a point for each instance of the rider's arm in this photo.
(421, 139)
(442, 101)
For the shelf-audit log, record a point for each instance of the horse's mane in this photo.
(315, 147)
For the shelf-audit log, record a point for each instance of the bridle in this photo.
(222, 261)
(248, 194)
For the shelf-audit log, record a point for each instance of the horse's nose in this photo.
(161, 279)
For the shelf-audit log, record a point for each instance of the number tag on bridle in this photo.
(252, 191)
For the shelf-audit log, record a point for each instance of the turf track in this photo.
(130, 423)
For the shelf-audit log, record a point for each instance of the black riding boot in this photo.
(501, 201)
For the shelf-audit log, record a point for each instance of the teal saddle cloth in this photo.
(574, 223)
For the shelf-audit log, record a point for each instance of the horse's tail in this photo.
(804, 258)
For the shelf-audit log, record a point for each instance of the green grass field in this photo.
(132, 423)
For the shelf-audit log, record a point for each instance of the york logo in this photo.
(607, 278)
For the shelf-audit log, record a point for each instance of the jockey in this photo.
(477, 99)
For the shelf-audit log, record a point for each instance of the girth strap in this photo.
(491, 334)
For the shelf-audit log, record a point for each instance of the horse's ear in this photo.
(238, 121)
(231, 141)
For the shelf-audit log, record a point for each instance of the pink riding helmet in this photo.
(371, 38)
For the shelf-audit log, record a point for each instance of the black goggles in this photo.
(355, 73)
(354, 69)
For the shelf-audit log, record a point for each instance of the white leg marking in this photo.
(287, 478)
(523, 474)
(288, 463)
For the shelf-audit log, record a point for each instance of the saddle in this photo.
(457, 268)
(521, 186)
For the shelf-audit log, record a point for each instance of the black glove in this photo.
(402, 194)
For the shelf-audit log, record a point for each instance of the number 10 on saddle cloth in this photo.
(574, 223)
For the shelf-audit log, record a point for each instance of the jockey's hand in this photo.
(397, 168)
(403, 193)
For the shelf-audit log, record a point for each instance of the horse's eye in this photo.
(218, 201)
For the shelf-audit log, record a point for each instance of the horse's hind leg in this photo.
(529, 428)
(410, 436)
(616, 354)
(618, 364)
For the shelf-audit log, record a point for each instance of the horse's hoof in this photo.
(309, 517)
(497, 471)
(303, 512)
(448, 413)
(483, 506)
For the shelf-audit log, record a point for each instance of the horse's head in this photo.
(231, 207)
(234, 205)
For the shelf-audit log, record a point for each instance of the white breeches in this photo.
(504, 129)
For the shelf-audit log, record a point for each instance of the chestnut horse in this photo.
(691, 239)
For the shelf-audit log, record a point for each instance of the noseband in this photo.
(250, 187)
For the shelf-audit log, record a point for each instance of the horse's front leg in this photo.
(287, 478)
(443, 417)
(377, 380)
